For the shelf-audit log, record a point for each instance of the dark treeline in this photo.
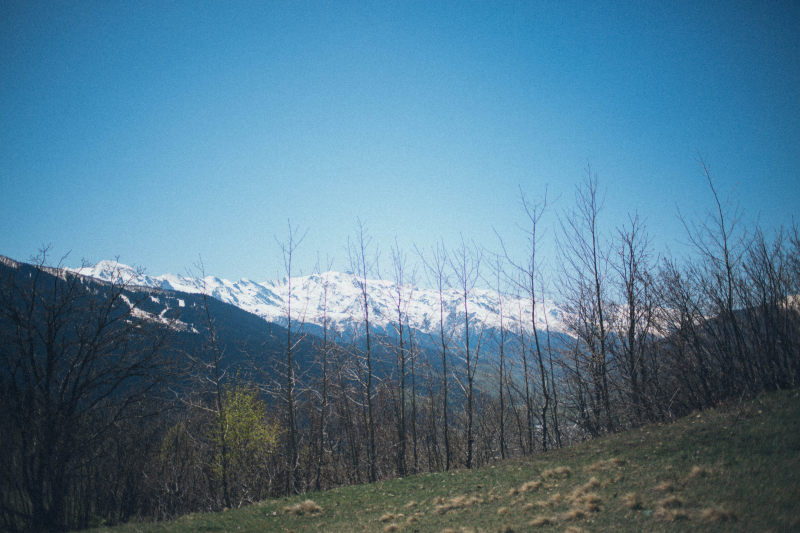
(107, 417)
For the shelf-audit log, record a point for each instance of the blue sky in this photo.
(160, 131)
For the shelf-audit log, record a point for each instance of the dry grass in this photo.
(528, 507)
(502, 510)
(388, 517)
(574, 529)
(717, 514)
(513, 491)
(698, 471)
(304, 507)
(552, 501)
(632, 501)
(458, 502)
(561, 472)
(391, 528)
(541, 521)
(574, 514)
(530, 486)
(614, 462)
(410, 505)
(414, 518)
(671, 515)
(588, 502)
(672, 502)
(583, 499)
(665, 486)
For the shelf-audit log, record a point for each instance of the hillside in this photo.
(734, 468)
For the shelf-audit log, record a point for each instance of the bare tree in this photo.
(288, 248)
(210, 374)
(358, 252)
(525, 279)
(553, 389)
(436, 268)
(77, 358)
(585, 266)
(720, 246)
(465, 262)
(412, 349)
(324, 395)
(403, 293)
(501, 357)
(635, 331)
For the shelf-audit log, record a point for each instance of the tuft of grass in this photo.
(303, 508)
(457, 502)
(560, 472)
(671, 515)
(554, 500)
(717, 514)
(588, 502)
(574, 514)
(391, 528)
(633, 501)
(502, 510)
(672, 502)
(665, 486)
(699, 471)
(414, 518)
(530, 486)
(606, 464)
(388, 517)
(541, 521)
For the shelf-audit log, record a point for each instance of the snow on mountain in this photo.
(338, 296)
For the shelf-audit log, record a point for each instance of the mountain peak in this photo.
(337, 296)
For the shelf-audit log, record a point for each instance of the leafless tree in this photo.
(324, 353)
(465, 262)
(288, 248)
(77, 358)
(636, 316)
(501, 356)
(358, 250)
(436, 266)
(403, 293)
(528, 274)
(585, 266)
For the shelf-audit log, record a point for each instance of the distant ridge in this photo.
(268, 300)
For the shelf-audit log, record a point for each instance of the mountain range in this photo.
(337, 298)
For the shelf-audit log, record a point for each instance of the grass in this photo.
(735, 468)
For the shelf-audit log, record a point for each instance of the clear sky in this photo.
(157, 131)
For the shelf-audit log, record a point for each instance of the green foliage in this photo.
(243, 436)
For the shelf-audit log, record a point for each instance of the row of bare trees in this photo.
(647, 338)
(642, 338)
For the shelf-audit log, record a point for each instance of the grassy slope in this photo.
(736, 468)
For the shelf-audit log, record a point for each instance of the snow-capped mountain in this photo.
(338, 296)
